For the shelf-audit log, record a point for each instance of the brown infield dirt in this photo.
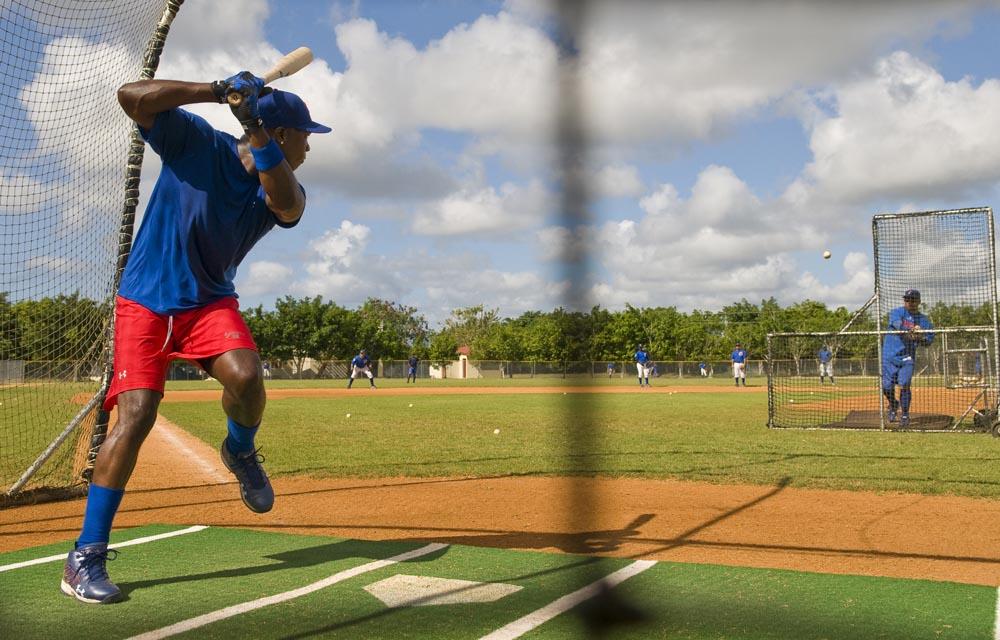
(180, 480)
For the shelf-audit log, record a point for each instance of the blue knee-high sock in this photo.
(240, 438)
(904, 399)
(102, 504)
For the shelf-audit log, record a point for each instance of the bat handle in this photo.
(234, 98)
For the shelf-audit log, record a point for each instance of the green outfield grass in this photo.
(718, 438)
(172, 580)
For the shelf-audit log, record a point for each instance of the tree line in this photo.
(68, 326)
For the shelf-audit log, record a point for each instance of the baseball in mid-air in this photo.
(827, 254)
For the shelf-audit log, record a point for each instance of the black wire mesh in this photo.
(949, 257)
(64, 145)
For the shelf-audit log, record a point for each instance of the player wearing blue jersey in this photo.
(361, 365)
(739, 359)
(899, 351)
(825, 357)
(216, 196)
(411, 368)
(642, 365)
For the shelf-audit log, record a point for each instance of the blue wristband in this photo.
(267, 157)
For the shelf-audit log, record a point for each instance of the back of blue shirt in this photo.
(204, 215)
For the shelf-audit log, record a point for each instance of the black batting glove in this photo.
(242, 91)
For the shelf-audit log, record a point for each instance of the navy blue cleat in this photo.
(904, 420)
(892, 415)
(255, 488)
(86, 578)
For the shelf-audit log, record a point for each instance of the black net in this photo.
(64, 158)
(947, 379)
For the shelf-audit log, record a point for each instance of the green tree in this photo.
(390, 330)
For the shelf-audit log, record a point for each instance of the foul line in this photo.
(996, 619)
(237, 609)
(523, 625)
(166, 431)
(115, 545)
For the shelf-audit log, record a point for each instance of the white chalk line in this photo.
(186, 451)
(114, 545)
(521, 626)
(996, 619)
(235, 610)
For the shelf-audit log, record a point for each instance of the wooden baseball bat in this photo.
(286, 66)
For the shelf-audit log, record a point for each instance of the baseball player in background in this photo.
(739, 358)
(825, 357)
(411, 368)
(215, 197)
(361, 365)
(899, 352)
(642, 365)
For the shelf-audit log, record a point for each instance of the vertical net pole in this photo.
(133, 174)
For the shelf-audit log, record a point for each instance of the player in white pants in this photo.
(361, 365)
(739, 358)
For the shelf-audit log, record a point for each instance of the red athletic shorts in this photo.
(146, 342)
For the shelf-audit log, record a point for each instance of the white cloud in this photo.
(616, 181)
(904, 131)
(687, 70)
(485, 210)
(264, 278)
(340, 247)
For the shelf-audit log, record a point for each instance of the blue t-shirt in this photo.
(739, 355)
(824, 355)
(641, 356)
(897, 347)
(413, 361)
(203, 217)
(360, 361)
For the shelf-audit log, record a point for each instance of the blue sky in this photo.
(733, 143)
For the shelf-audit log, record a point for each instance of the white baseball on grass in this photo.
(411, 404)
(348, 416)
(496, 431)
(826, 255)
(792, 400)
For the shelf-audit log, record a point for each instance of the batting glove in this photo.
(247, 88)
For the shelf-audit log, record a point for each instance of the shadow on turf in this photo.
(294, 559)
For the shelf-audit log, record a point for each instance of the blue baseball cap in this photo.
(285, 109)
(911, 294)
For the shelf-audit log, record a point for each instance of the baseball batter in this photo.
(215, 197)
(825, 357)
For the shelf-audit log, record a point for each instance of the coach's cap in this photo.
(285, 109)
(911, 294)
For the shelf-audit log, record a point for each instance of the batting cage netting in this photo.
(69, 178)
(942, 374)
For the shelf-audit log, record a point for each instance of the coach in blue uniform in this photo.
(899, 352)
(739, 358)
(216, 196)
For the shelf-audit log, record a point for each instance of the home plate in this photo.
(422, 591)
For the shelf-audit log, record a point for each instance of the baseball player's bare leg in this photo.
(242, 378)
(116, 459)
(243, 400)
(85, 575)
